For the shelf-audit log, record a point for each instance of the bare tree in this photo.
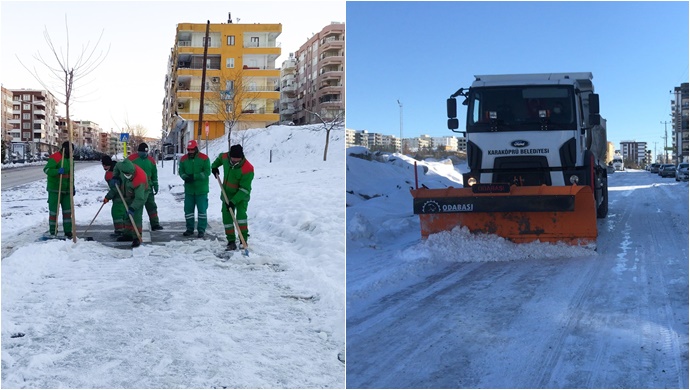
(329, 120)
(68, 74)
(137, 133)
(232, 98)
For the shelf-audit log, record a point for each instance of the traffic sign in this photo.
(124, 137)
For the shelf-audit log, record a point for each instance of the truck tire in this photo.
(603, 209)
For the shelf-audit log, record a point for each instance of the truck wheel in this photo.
(603, 208)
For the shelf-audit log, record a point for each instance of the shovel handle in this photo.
(232, 214)
(94, 218)
(131, 219)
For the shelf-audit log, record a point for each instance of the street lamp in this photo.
(401, 126)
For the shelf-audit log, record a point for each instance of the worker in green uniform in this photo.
(133, 183)
(194, 169)
(58, 171)
(117, 211)
(148, 164)
(238, 174)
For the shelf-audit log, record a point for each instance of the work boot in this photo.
(116, 233)
(124, 238)
(156, 227)
(200, 235)
(135, 243)
(231, 246)
(188, 233)
(68, 235)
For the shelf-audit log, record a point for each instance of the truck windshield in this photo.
(520, 108)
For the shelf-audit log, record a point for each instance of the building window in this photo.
(231, 40)
(26, 125)
(229, 85)
(254, 41)
(26, 116)
(26, 98)
(27, 106)
(206, 41)
(229, 62)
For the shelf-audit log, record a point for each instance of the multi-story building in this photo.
(63, 131)
(6, 114)
(288, 89)
(416, 144)
(679, 112)
(321, 76)
(240, 88)
(88, 133)
(350, 137)
(34, 114)
(445, 143)
(633, 151)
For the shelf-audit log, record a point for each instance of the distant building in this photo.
(33, 121)
(320, 76)
(633, 151)
(679, 112)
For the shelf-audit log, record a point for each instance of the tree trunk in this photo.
(325, 150)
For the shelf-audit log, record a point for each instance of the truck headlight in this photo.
(574, 179)
(471, 181)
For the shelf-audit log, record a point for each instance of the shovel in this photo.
(234, 219)
(131, 219)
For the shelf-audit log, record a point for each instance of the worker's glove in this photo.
(155, 189)
(188, 178)
(61, 171)
(105, 200)
(230, 206)
(130, 211)
(215, 172)
(115, 181)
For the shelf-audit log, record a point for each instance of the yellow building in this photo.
(241, 88)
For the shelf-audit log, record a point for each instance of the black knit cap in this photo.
(106, 160)
(66, 148)
(143, 147)
(236, 151)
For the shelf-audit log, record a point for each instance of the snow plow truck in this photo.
(536, 154)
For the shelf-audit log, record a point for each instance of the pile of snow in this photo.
(85, 315)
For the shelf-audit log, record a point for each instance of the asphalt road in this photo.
(24, 174)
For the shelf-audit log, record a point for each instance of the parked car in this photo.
(668, 170)
(654, 168)
(662, 166)
(682, 172)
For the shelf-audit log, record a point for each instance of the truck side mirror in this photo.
(594, 103)
(452, 108)
(453, 123)
(594, 120)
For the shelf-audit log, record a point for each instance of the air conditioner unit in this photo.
(180, 105)
(215, 79)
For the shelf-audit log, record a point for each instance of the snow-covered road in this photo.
(460, 311)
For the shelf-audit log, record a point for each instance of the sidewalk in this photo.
(172, 231)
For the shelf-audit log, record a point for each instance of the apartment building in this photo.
(33, 121)
(240, 89)
(679, 112)
(320, 76)
(288, 89)
(633, 151)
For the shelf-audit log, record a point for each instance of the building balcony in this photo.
(289, 88)
(333, 44)
(332, 60)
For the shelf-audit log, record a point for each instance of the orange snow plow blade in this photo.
(520, 214)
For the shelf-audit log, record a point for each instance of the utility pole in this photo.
(203, 83)
(665, 137)
(401, 126)
(655, 156)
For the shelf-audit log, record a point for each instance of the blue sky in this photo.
(421, 52)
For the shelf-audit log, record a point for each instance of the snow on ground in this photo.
(476, 311)
(176, 315)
